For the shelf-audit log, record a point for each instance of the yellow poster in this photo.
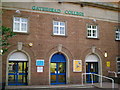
(77, 65)
(108, 63)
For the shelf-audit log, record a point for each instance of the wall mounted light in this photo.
(30, 44)
(18, 11)
(94, 20)
(106, 55)
(1, 52)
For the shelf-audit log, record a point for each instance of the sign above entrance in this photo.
(18, 56)
(57, 10)
(39, 62)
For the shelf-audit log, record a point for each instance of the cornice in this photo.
(103, 5)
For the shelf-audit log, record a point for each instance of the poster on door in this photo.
(77, 65)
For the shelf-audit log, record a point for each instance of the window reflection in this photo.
(17, 72)
(53, 67)
(61, 67)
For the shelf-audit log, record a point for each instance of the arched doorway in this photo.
(58, 69)
(92, 66)
(18, 69)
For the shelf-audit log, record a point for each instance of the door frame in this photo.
(29, 65)
(99, 64)
(67, 67)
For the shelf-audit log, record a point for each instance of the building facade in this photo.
(56, 42)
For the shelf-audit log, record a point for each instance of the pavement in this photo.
(49, 86)
(107, 85)
(96, 86)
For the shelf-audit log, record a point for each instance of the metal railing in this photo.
(101, 81)
(115, 73)
(85, 77)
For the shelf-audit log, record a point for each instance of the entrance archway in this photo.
(58, 69)
(92, 66)
(18, 69)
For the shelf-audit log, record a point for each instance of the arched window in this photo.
(18, 56)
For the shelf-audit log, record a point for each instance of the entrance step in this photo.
(44, 87)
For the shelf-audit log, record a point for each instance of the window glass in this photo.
(94, 27)
(89, 32)
(17, 26)
(58, 28)
(117, 34)
(62, 23)
(24, 19)
(20, 24)
(118, 59)
(17, 19)
(118, 65)
(61, 30)
(53, 67)
(23, 27)
(92, 31)
(89, 26)
(55, 23)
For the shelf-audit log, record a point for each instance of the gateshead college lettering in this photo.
(74, 13)
(57, 10)
(46, 9)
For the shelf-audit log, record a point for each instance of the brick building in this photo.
(56, 42)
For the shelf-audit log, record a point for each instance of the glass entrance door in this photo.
(92, 67)
(17, 73)
(58, 73)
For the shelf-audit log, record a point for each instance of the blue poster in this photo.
(39, 62)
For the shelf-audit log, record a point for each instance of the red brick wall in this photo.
(75, 44)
